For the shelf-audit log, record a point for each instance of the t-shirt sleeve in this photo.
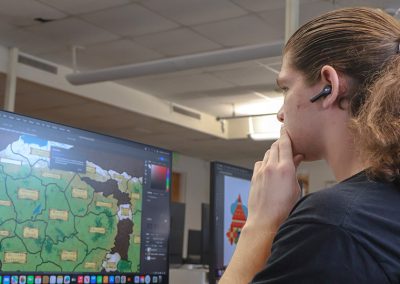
(318, 253)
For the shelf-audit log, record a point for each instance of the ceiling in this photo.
(116, 32)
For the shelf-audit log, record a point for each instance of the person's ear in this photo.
(330, 76)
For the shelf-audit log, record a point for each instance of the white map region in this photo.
(110, 264)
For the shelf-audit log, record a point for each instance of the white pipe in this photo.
(291, 17)
(180, 63)
(11, 81)
(74, 57)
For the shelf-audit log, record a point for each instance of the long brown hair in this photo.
(362, 43)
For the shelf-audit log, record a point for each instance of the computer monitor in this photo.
(80, 207)
(230, 186)
(194, 247)
(177, 230)
(205, 233)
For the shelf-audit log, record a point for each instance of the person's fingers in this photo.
(285, 147)
(273, 158)
(266, 156)
(257, 166)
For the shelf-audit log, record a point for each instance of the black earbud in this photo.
(325, 92)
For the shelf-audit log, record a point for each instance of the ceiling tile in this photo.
(260, 5)
(75, 7)
(108, 54)
(350, 3)
(371, 3)
(5, 26)
(241, 31)
(312, 9)
(230, 66)
(115, 53)
(72, 31)
(193, 12)
(174, 85)
(177, 42)
(129, 20)
(275, 18)
(254, 75)
(23, 12)
(28, 42)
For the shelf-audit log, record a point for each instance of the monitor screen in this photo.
(177, 233)
(230, 186)
(80, 207)
(205, 233)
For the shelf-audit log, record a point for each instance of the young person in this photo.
(341, 82)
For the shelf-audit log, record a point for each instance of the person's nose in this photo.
(280, 115)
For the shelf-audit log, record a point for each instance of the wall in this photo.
(196, 189)
(319, 174)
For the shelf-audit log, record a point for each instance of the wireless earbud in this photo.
(325, 92)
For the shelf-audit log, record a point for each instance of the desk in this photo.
(187, 274)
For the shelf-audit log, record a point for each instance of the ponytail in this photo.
(377, 125)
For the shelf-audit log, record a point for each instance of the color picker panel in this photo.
(159, 176)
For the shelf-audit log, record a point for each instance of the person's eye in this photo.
(284, 90)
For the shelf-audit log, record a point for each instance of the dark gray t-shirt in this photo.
(349, 233)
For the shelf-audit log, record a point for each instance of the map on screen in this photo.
(62, 209)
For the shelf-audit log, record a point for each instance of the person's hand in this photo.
(274, 186)
(273, 193)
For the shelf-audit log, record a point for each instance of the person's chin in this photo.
(306, 156)
(296, 150)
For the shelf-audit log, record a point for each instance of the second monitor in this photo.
(230, 187)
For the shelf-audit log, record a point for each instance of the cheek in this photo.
(302, 105)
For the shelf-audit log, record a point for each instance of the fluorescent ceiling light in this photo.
(264, 127)
(270, 105)
(264, 136)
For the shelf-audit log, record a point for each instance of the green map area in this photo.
(52, 220)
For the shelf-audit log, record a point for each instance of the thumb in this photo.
(297, 160)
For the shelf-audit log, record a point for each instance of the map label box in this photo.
(98, 230)
(90, 265)
(69, 255)
(30, 233)
(24, 193)
(15, 257)
(5, 203)
(58, 214)
(79, 193)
